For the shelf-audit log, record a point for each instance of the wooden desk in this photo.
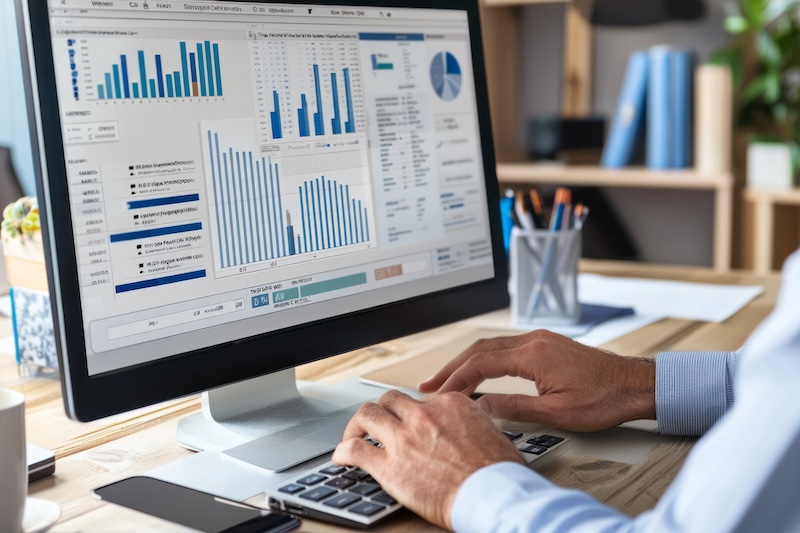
(93, 454)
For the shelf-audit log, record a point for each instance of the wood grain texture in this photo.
(94, 454)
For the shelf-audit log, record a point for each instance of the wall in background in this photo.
(13, 114)
(659, 236)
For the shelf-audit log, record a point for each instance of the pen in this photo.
(525, 221)
(538, 211)
(580, 218)
(563, 198)
(576, 214)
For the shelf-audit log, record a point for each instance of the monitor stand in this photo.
(266, 422)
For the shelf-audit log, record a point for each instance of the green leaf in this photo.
(795, 151)
(768, 49)
(736, 25)
(772, 87)
(754, 10)
(755, 89)
(780, 112)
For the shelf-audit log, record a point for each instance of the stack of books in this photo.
(655, 111)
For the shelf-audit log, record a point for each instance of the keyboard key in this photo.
(333, 470)
(366, 489)
(312, 479)
(545, 440)
(340, 483)
(318, 494)
(384, 498)
(367, 509)
(357, 474)
(292, 489)
(512, 435)
(534, 449)
(343, 500)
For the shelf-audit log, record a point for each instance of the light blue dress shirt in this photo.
(743, 475)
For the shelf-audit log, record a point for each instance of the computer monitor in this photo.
(231, 189)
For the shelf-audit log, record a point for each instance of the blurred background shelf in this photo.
(721, 185)
(533, 173)
(575, 66)
(765, 204)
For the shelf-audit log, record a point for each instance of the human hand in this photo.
(580, 388)
(429, 448)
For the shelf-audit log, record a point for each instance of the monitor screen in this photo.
(225, 181)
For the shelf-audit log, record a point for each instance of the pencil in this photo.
(538, 211)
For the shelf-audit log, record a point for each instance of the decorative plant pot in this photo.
(769, 165)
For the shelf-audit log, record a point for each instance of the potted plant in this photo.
(22, 245)
(765, 63)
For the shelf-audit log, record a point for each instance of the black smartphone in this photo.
(192, 508)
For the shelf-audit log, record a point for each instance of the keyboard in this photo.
(349, 496)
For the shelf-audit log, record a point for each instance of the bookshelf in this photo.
(501, 36)
(764, 202)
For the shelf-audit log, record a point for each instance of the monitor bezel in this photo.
(89, 397)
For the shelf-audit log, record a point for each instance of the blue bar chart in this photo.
(73, 68)
(307, 88)
(336, 103)
(260, 218)
(195, 71)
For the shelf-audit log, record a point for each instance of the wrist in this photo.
(640, 387)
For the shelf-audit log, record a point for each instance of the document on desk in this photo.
(676, 299)
(590, 335)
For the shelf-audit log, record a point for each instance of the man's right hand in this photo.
(580, 388)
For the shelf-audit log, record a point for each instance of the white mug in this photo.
(13, 465)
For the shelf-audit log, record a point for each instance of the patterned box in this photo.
(34, 337)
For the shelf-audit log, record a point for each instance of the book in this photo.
(681, 92)
(659, 109)
(628, 122)
(713, 118)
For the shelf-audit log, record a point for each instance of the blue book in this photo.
(659, 111)
(681, 77)
(628, 122)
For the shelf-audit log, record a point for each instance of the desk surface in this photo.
(97, 453)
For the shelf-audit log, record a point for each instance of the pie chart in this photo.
(446, 76)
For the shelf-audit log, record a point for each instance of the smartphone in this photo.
(192, 508)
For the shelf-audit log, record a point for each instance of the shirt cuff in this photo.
(693, 390)
(486, 494)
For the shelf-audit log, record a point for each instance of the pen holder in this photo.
(544, 276)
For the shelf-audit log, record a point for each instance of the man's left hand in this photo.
(429, 448)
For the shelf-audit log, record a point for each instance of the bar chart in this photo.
(307, 89)
(190, 70)
(259, 216)
(319, 116)
(73, 69)
(380, 62)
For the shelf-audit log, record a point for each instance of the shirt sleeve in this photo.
(694, 390)
(727, 484)
(510, 497)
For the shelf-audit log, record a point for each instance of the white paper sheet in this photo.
(676, 299)
(602, 333)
